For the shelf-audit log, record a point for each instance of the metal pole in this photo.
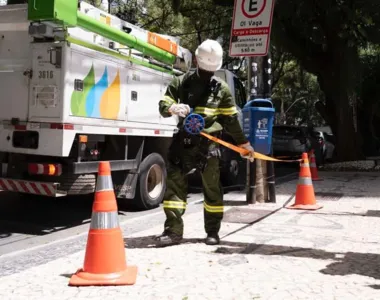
(258, 91)
(251, 167)
(270, 180)
(251, 182)
(249, 76)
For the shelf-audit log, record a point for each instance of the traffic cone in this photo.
(313, 167)
(105, 259)
(305, 197)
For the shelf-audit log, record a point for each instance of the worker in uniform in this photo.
(210, 97)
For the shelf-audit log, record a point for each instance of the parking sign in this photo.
(251, 26)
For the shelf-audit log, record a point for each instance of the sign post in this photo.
(250, 37)
(251, 27)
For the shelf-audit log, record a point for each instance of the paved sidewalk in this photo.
(332, 253)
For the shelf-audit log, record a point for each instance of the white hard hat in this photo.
(209, 56)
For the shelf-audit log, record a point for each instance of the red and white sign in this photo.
(251, 27)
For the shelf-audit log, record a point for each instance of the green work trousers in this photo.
(175, 199)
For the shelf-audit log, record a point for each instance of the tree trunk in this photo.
(338, 79)
(261, 196)
(368, 121)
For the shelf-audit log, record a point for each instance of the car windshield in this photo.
(287, 131)
(330, 138)
(317, 134)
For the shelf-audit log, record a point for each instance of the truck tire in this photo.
(151, 183)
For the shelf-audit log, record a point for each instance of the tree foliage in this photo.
(193, 21)
(295, 94)
(369, 100)
(330, 42)
(326, 37)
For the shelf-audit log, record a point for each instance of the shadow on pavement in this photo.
(375, 286)
(364, 264)
(33, 215)
(234, 203)
(369, 213)
(373, 213)
(37, 215)
(149, 242)
(227, 189)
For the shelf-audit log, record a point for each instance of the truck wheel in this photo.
(151, 184)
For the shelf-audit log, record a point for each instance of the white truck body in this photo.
(52, 95)
(65, 102)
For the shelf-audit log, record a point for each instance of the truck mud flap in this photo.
(31, 187)
(125, 186)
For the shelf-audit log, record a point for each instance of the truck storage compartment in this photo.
(45, 91)
(15, 62)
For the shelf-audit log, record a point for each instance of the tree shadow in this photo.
(373, 213)
(234, 203)
(4, 234)
(369, 213)
(364, 264)
(38, 215)
(375, 286)
(33, 215)
(149, 242)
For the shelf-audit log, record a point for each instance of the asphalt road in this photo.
(27, 222)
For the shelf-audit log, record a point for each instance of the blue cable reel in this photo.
(194, 123)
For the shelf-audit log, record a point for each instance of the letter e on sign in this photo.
(252, 8)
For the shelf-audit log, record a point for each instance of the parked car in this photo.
(290, 140)
(330, 146)
(319, 147)
(327, 143)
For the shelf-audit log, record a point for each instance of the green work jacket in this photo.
(213, 101)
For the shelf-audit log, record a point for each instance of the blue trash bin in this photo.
(258, 117)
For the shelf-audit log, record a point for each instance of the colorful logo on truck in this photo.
(97, 100)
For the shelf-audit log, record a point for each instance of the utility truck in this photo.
(79, 86)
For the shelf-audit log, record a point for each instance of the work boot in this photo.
(212, 239)
(168, 239)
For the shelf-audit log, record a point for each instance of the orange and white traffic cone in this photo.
(305, 197)
(105, 260)
(313, 167)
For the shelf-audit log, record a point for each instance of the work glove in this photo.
(181, 110)
(250, 155)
